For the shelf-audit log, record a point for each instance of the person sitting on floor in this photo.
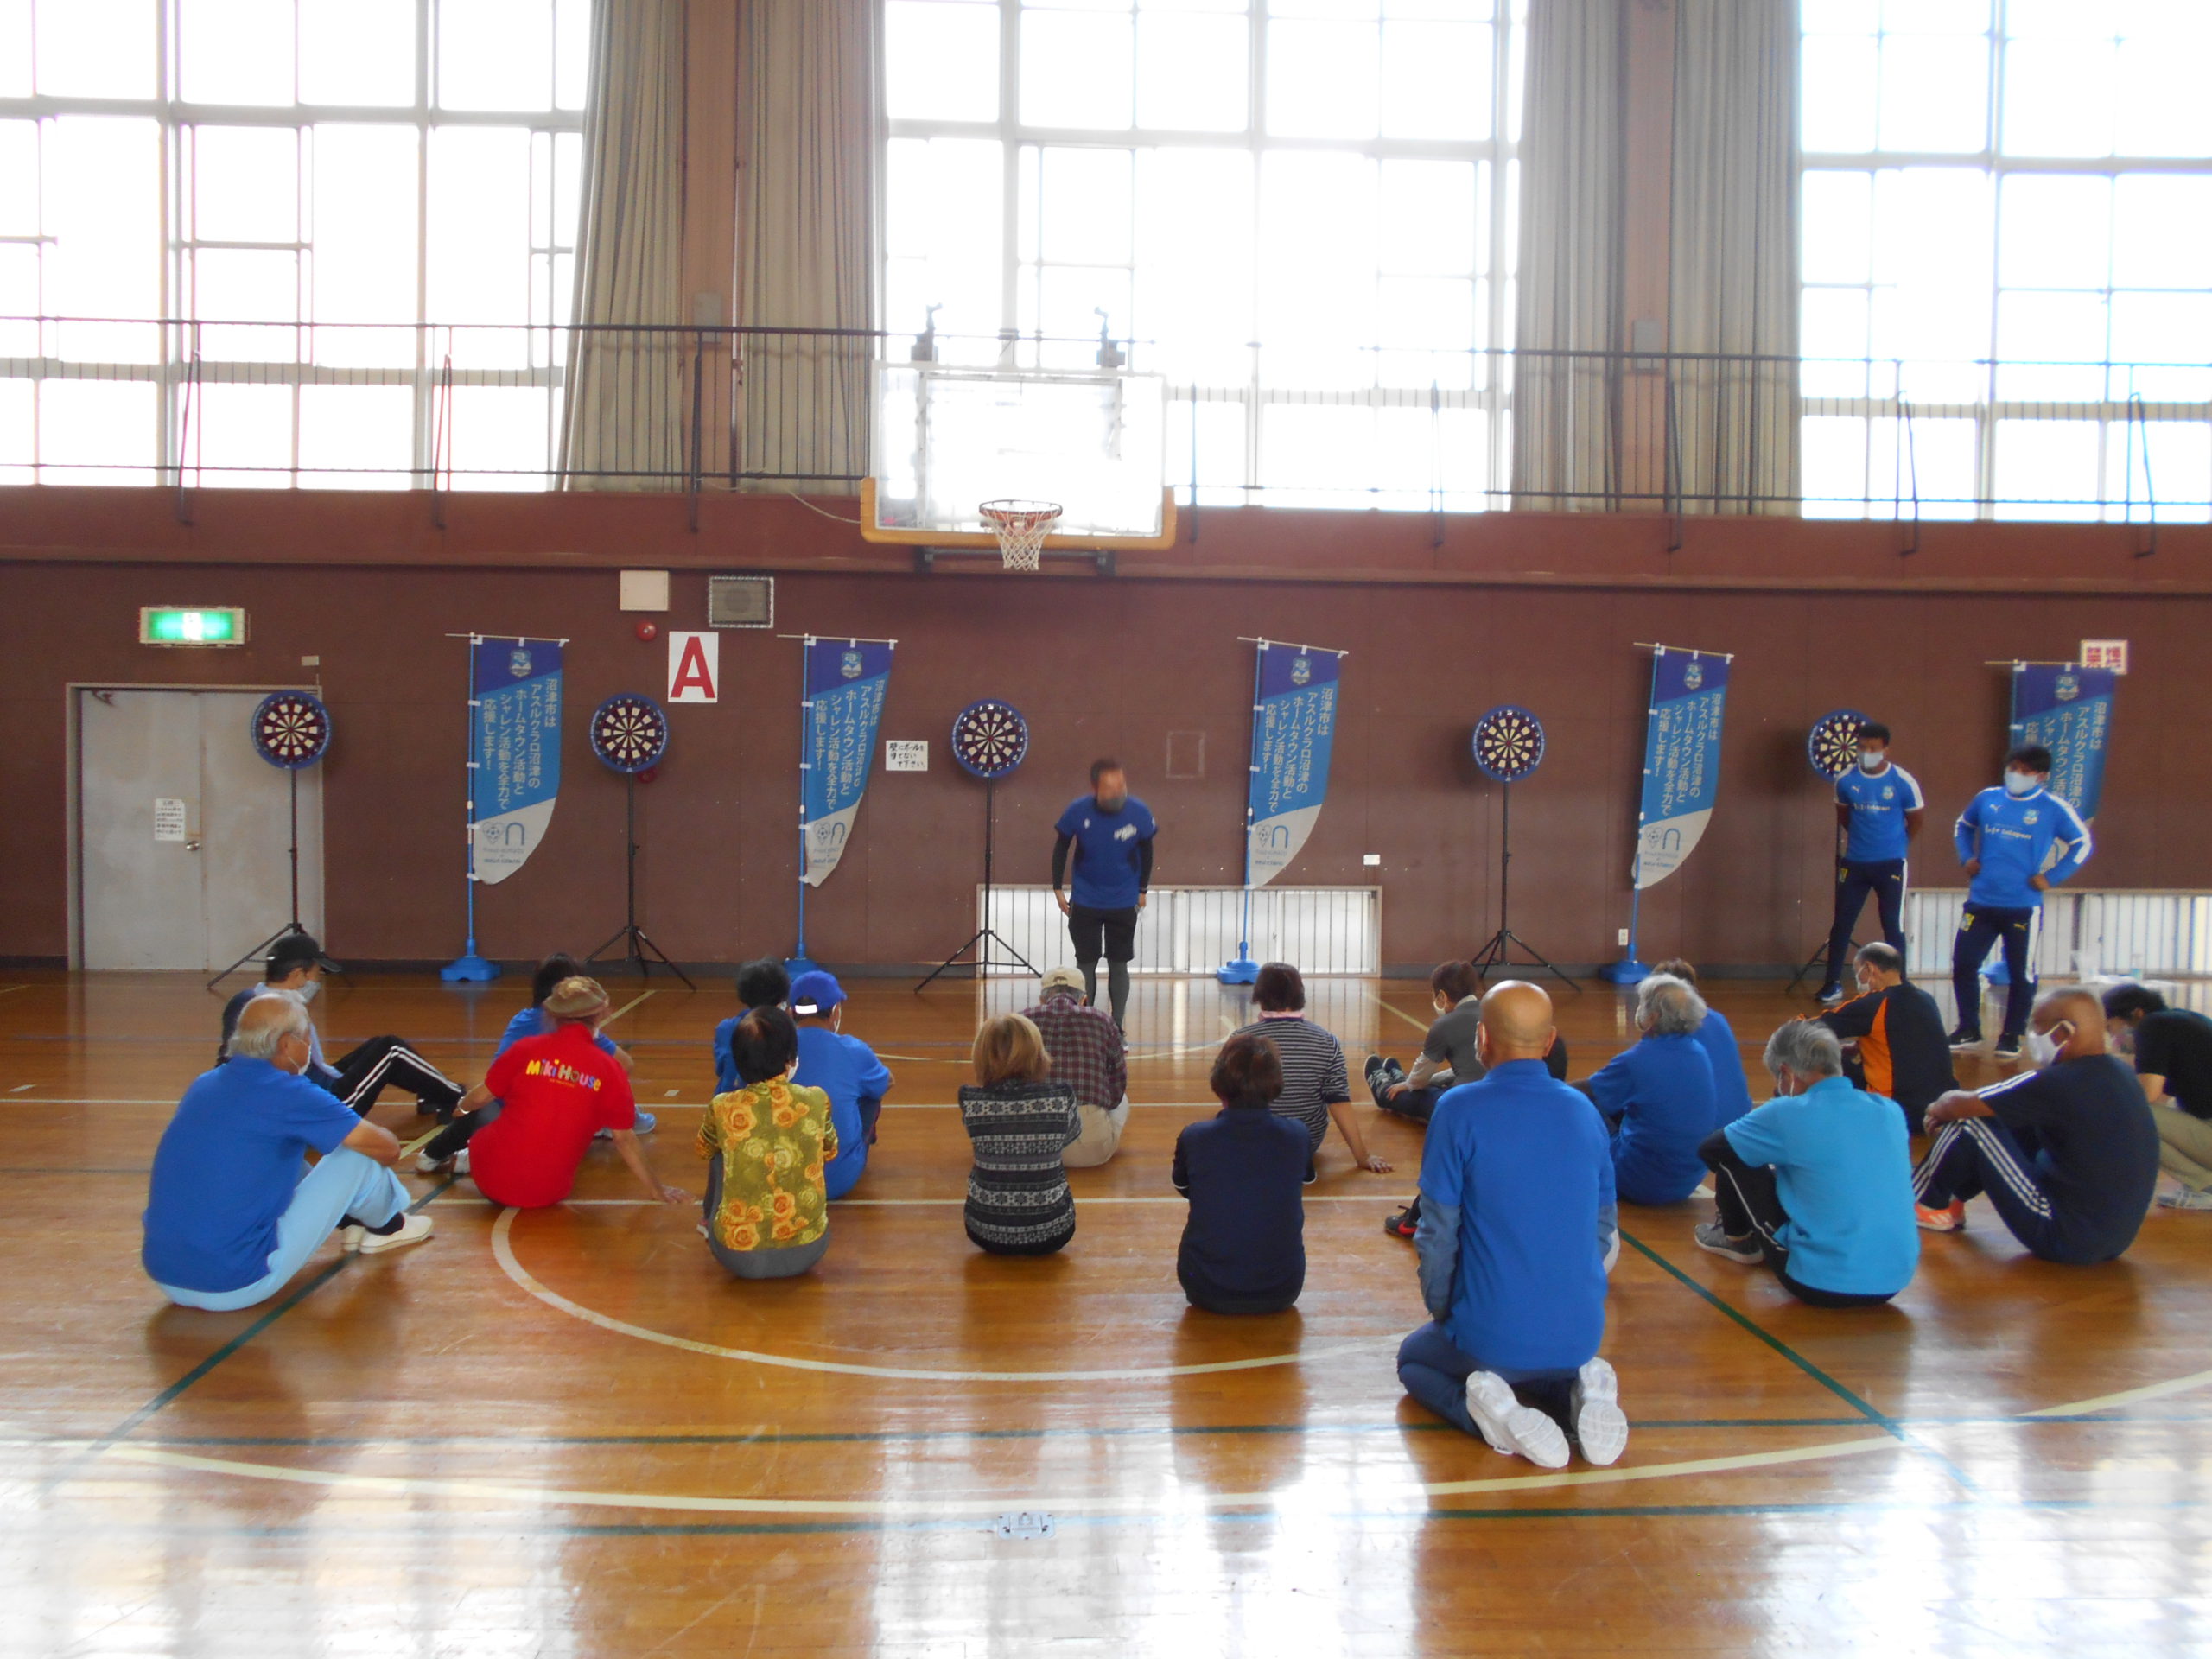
(1904, 1053)
(534, 1021)
(523, 1131)
(2172, 1051)
(843, 1067)
(1516, 1183)
(2068, 1152)
(1731, 1090)
(1406, 1221)
(1817, 1182)
(1090, 1055)
(296, 964)
(1243, 1249)
(1658, 1095)
(772, 1141)
(1447, 1052)
(233, 1210)
(762, 984)
(1020, 1121)
(1315, 1087)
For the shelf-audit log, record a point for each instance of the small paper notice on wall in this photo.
(168, 819)
(905, 755)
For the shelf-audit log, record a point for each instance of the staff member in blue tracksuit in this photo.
(2015, 843)
(1110, 831)
(1879, 807)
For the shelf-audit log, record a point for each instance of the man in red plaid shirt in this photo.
(1091, 1058)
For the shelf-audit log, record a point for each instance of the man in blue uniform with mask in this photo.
(1878, 807)
(2014, 842)
(1110, 833)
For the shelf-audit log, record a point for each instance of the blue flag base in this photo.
(1243, 972)
(1627, 971)
(469, 969)
(797, 965)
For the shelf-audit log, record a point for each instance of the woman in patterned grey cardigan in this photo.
(1020, 1121)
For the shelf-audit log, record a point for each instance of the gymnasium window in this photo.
(348, 194)
(2007, 258)
(1301, 211)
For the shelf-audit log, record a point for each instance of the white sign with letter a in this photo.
(694, 667)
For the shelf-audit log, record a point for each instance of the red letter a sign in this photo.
(693, 667)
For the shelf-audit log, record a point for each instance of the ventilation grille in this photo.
(741, 601)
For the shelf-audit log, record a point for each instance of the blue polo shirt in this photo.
(1660, 1094)
(534, 1021)
(846, 1070)
(1878, 802)
(1106, 863)
(1843, 1169)
(1731, 1090)
(225, 1170)
(1523, 1157)
(2018, 837)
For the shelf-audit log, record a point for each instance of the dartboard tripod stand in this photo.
(638, 951)
(1496, 953)
(989, 740)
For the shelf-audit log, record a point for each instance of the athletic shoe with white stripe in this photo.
(1600, 1427)
(1952, 1218)
(2186, 1198)
(1511, 1427)
(1712, 1236)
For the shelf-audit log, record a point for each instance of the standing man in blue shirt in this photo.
(845, 1069)
(1111, 832)
(2015, 843)
(1516, 1221)
(1879, 807)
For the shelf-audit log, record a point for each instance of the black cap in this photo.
(298, 950)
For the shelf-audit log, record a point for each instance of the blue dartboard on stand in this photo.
(989, 738)
(1833, 744)
(629, 733)
(291, 729)
(1509, 743)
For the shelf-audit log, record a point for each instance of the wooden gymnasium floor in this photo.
(568, 1432)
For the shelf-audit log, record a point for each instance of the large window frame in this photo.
(1424, 452)
(431, 355)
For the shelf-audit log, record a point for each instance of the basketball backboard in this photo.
(950, 438)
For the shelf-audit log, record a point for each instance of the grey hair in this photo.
(1808, 1048)
(258, 1034)
(1667, 1007)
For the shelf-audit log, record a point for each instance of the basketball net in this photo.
(1021, 528)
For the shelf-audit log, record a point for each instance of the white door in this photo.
(184, 832)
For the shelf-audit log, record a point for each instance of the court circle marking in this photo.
(503, 1251)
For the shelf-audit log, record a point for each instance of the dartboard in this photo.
(989, 738)
(291, 729)
(1833, 744)
(1509, 743)
(629, 733)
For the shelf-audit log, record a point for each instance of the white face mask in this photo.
(2041, 1047)
(1873, 759)
(305, 993)
(2020, 783)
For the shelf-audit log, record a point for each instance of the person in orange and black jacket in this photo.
(1901, 1051)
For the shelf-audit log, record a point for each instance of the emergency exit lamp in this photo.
(178, 625)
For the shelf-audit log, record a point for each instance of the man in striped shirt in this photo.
(2066, 1153)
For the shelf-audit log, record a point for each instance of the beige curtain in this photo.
(1564, 404)
(628, 413)
(1733, 289)
(808, 133)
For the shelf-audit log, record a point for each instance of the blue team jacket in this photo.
(2017, 837)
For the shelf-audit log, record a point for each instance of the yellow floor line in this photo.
(1421, 1026)
(625, 1009)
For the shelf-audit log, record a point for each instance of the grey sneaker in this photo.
(2187, 1198)
(1712, 1236)
(1600, 1428)
(1512, 1428)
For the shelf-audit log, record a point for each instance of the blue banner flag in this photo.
(1293, 721)
(845, 684)
(2068, 711)
(1682, 760)
(515, 691)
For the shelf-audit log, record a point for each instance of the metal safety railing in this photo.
(201, 403)
(1190, 932)
(2144, 934)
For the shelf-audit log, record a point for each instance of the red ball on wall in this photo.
(648, 631)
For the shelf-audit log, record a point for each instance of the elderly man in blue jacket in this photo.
(2014, 842)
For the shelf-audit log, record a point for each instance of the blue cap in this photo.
(815, 993)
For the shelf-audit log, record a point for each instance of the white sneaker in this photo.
(1600, 1428)
(2186, 1198)
(456, 1165)
(1512, 1428)
(413, 1230)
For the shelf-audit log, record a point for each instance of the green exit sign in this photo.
(179, 624)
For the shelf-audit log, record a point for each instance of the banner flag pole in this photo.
(842, 684)
(470, 968)
(1295, 696)
(1243, 970)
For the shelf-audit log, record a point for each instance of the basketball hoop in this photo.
(1021, 527)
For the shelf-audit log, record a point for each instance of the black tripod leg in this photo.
(1818, 959)
(953, 961)
(643, 943)
(991, 936)
(620, 936)
(1546, 963)
(261, 949)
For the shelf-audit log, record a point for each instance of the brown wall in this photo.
(1544, 612)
